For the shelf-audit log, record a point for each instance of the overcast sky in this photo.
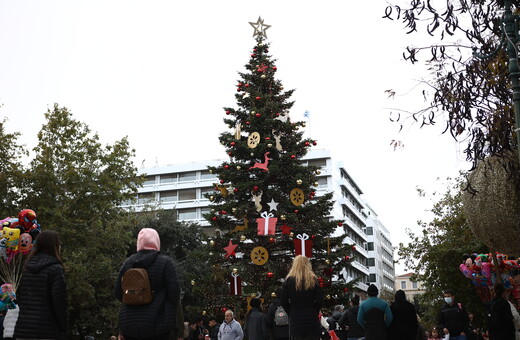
(160, 72)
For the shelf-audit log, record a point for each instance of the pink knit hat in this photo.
(148, 239)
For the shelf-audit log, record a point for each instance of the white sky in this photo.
(161, 71)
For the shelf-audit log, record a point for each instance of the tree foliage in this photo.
(471, 96)
(77, 186)
(435, 253)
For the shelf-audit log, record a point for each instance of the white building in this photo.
(182, 187)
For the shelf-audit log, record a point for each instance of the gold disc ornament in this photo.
(259, 256)
(253, 140)
(297, 196)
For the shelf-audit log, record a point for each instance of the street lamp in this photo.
(510, 38)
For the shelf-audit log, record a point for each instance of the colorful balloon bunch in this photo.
(18, 234)
(482, 272)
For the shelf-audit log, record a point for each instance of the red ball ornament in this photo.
(214, 218)
(253, 55)
(226, 166)
(224, 309)
(270, 275)
(255, 188)
(314, 143)
(239, 89)
(232, 143)
(340, 224)
(248, 123)
(313, 237)
(235, 190)
(254, 50)
(353, 247)
(223, 212)
(347, 258)
(222, 181)
(293, 156)
(259, 70)
(277, 114)
(230, 154)
(228, 112)
(275, 68)
(267, 138)
(345, 289)
(246, 85)
(271, 240)
(295, 211)
(258, 98)
(240, 84)
(307, 143)
(258, 115)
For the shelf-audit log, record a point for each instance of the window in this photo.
(370, 231)
(371, 262)
(167, 179)
(169, 196)
(206, 175)
(145, 198)
(187, 214)
(149, 180)
(372, 278)
(318, 162)
(403, 284)
(187, 176)
(414, 285)
(322, 182)
(206, 190)
(370, 246)
(187, 195)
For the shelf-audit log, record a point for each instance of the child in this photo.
(434, 335)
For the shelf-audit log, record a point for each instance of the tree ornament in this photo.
(230, 249)
(253, 140)
(273, 294)
(347, 258)
(297, 196)
(286, 230)
(302, 245)
(239, 89)
(232, 143)
(238, 168)
(235, 284)
(274, 68)
(260, 29)
(270, 275)
(212, 243)
(210, 253)
(241, 227)
(243, 238)
(257, 198)
(345, 290)
(263, 165)
(291, 235)
(266, 224)
(235, 270)
(296, 211)
(248, 123)
(316, 184)
(269, 145)
(318, 172)
(314, 143)
(193, 282)
(327, 261)
(224, 309)
(246, 95)
(235, 190)
(214, 218)
(258, 98)
(262, 68)
(272, 240)
(228, 112)
(354, 248)
(259, 256)
(283, 217)
(234, 210)
(258, 115)
(263, 76)
(222, 181)
(211, 198)
(226, 166)
(210, 171)
(327, 297)
(340, 224)
(272, 205)
(299, 181)
(246, 85)
(293, 156)
(230, 154)
(253, 55)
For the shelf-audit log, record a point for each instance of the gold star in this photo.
(259, 27)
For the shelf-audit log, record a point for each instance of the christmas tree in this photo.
(265, 209)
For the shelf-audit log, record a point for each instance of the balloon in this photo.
(27, 219)
(465, 270)
(25, 243)
(12, 235)
(3, 250)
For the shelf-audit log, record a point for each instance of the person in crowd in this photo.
(213, 327)
(42, 293)
(501, 326)
(256, 324)
(349, 320)
(155, 320)
(230, 329)
(404, 319)
(434, 334)
(334, 324)
(197, 329)
(473, 332)
(278, 332)
(302, 298)
(453, 318)
(374, 315)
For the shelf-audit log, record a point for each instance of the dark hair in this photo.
(499, 289)
(355, 300)
(255, 303)
(212, 318)
(449, 291)
(47, 242)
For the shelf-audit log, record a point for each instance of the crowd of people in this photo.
(295, 312)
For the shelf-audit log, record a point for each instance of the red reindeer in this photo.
(263, 165)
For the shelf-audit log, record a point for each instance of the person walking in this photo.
(302, 298)
(230, 329)
(404, 319)
(42, 293)
(349, 320)
(453, 318)
(213, 327)
(374, 315)
(501, 326)
(278, 325)
(256, 324)
(155, 320)
(334, 324)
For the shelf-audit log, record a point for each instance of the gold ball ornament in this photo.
(234, 210)
(212, 243)
(253, 112)
(273, 294)
(316, 184)
(252, 154)
(299, 181)
(318, 172)
(260, 44)
(203, 312)
(263, 76)
(210, 171)
(283, 217)
(303, 125)
(291, 234)
(253, 295)
(235, 270)
(239, 167)
(243, 238)
(193, 282)
(327, 297)
(327, 261)
(211, 198)
(269, 145)
(210, 253)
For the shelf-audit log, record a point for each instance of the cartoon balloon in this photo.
(25, 243)
(12, 235)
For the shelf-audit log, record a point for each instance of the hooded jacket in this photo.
(404, 323)
(42, 298)
(157, 317)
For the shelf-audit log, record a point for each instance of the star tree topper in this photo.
(259, 27)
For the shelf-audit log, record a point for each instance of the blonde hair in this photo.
(302, 272)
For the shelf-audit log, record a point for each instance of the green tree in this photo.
(11, 175)
(472, 97)
(434, 254)
(76, 186)
(184, 242)
(266, 178)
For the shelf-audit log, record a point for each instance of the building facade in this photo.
(410, 288)
(183, 186)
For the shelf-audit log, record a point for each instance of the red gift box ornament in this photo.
(302, 245)
(266, 224)
(235, 284)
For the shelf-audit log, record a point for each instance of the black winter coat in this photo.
(501, 326)
(349, 318)
(455, 318)
(404, 322)
(157, 317)
(277, 332)
(42, 298)
(335, 326)
(302, 307)
(256, 325)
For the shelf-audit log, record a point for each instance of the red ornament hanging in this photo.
(258, 115)
(222, 181)
(302, 245)
(293, 156)
(230, 249)
(275, 68)
(270, 275)
(314, 143)
(226, 166)
(230, 154)
(258, 98)
(353, 247)
(246, 85)
(235, 284)
(340, 224)
(228, 112)
(255, 188)
(233, 143)
(266, 224)
(272, 240)
(347, 258)
(345, 289)
(286, 230)
(214, 218)
(235, 189)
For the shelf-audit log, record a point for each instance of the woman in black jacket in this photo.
(302, 298)
(155, 320)
(42, 294)
(404, 323)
